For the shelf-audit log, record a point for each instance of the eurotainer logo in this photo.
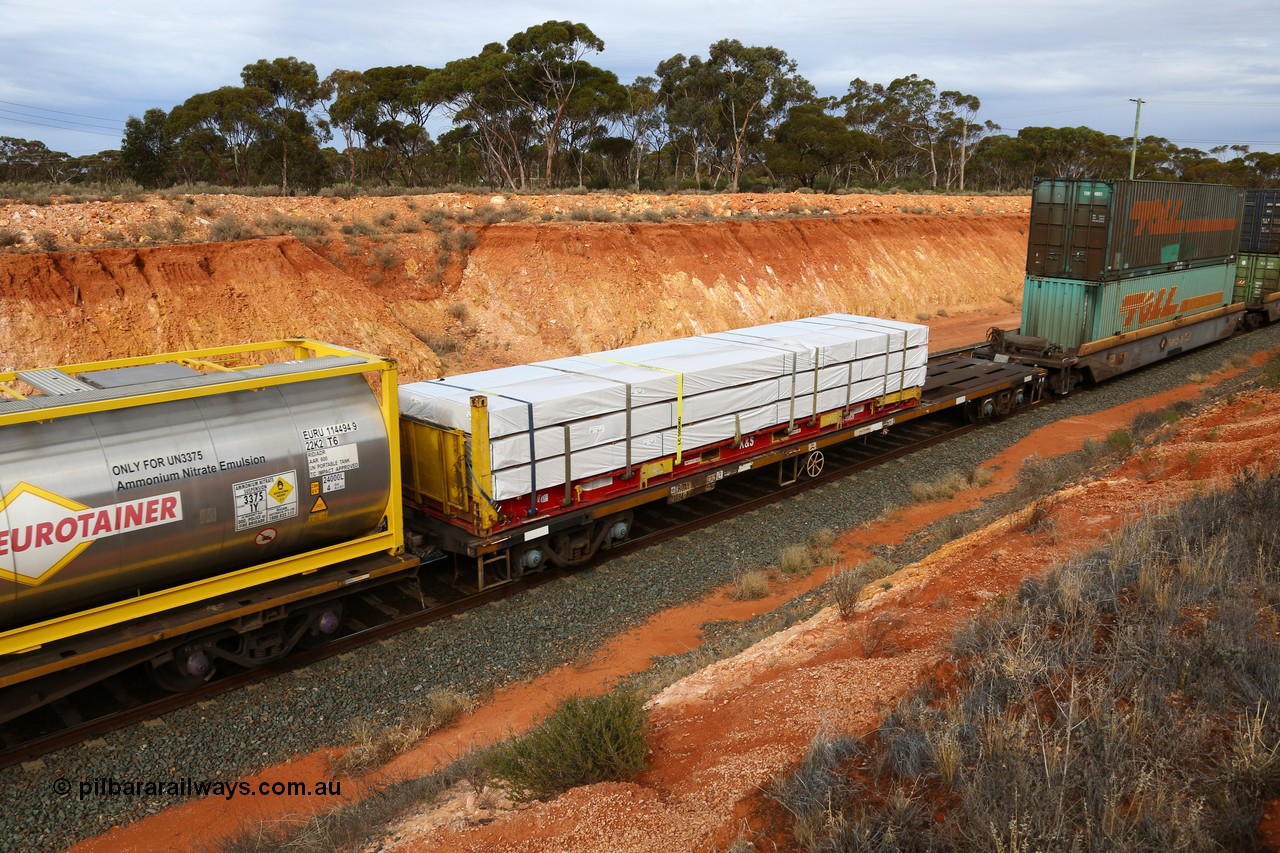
(41, 532)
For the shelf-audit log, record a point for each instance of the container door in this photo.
(1070, 229)
(1090, 229)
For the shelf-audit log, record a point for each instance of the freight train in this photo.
(1121, 274)
(191, 511)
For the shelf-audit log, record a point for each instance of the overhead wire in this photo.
(58, 126)
(61, 121)
(60, 112)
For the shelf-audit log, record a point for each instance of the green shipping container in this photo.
(1257, 276)
(1069, 312)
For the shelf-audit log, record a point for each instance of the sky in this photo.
(72, 71)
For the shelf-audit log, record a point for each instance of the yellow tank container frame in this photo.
(332, 361)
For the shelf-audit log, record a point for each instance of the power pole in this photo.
(1133, 155)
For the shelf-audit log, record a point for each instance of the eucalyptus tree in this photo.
(1076, 152)
(295, 90)
(31, 160)
(756, 86)
(546, 73)
(904, 114)
(596, 102)
(222, 124)
(641, 119)
(479, 95)
(725, 107)
(346, 91)
(960, 118)
(536, 90)
(389, 106)
(811, 143)
(147, 149)
(687, 90)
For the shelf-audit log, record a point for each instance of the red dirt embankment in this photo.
(522, 292)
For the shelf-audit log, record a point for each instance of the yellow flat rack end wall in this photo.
(390, 539)
(435, 466)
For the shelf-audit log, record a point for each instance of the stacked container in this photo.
(1258, 267)
(1108, 257)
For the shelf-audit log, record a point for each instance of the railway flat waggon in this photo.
(545, 463)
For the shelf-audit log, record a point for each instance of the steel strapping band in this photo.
(679, 396)
(622, 382)
(533, 451)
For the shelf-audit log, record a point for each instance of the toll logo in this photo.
(1151, 305)
(41, 532)
(1165, 217)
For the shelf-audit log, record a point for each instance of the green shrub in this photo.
(1120, 441)
(298, 226)
(435, 217)
(584, 740)
(359, 228)
(488, 214)
(980, 476)
(1239, 361)
(951, 482)
(169, 230)
(592, 214)
(846, 587)
(230, 227)
(440, 345)
(386, 257)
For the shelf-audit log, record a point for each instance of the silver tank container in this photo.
(105, 506)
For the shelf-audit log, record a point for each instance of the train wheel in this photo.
(530, 559)
(1004, 403)
(324, 625)
(979, 410)
(1063, 381)
(186, 670)
(814, 463)
(617, 529)
(575, 547)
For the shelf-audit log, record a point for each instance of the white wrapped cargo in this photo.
(583, 434)
(515, 481)
(635, 404)
(900, 335)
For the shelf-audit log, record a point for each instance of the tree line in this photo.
(536, 113)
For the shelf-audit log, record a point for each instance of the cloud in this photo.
(119, 57)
